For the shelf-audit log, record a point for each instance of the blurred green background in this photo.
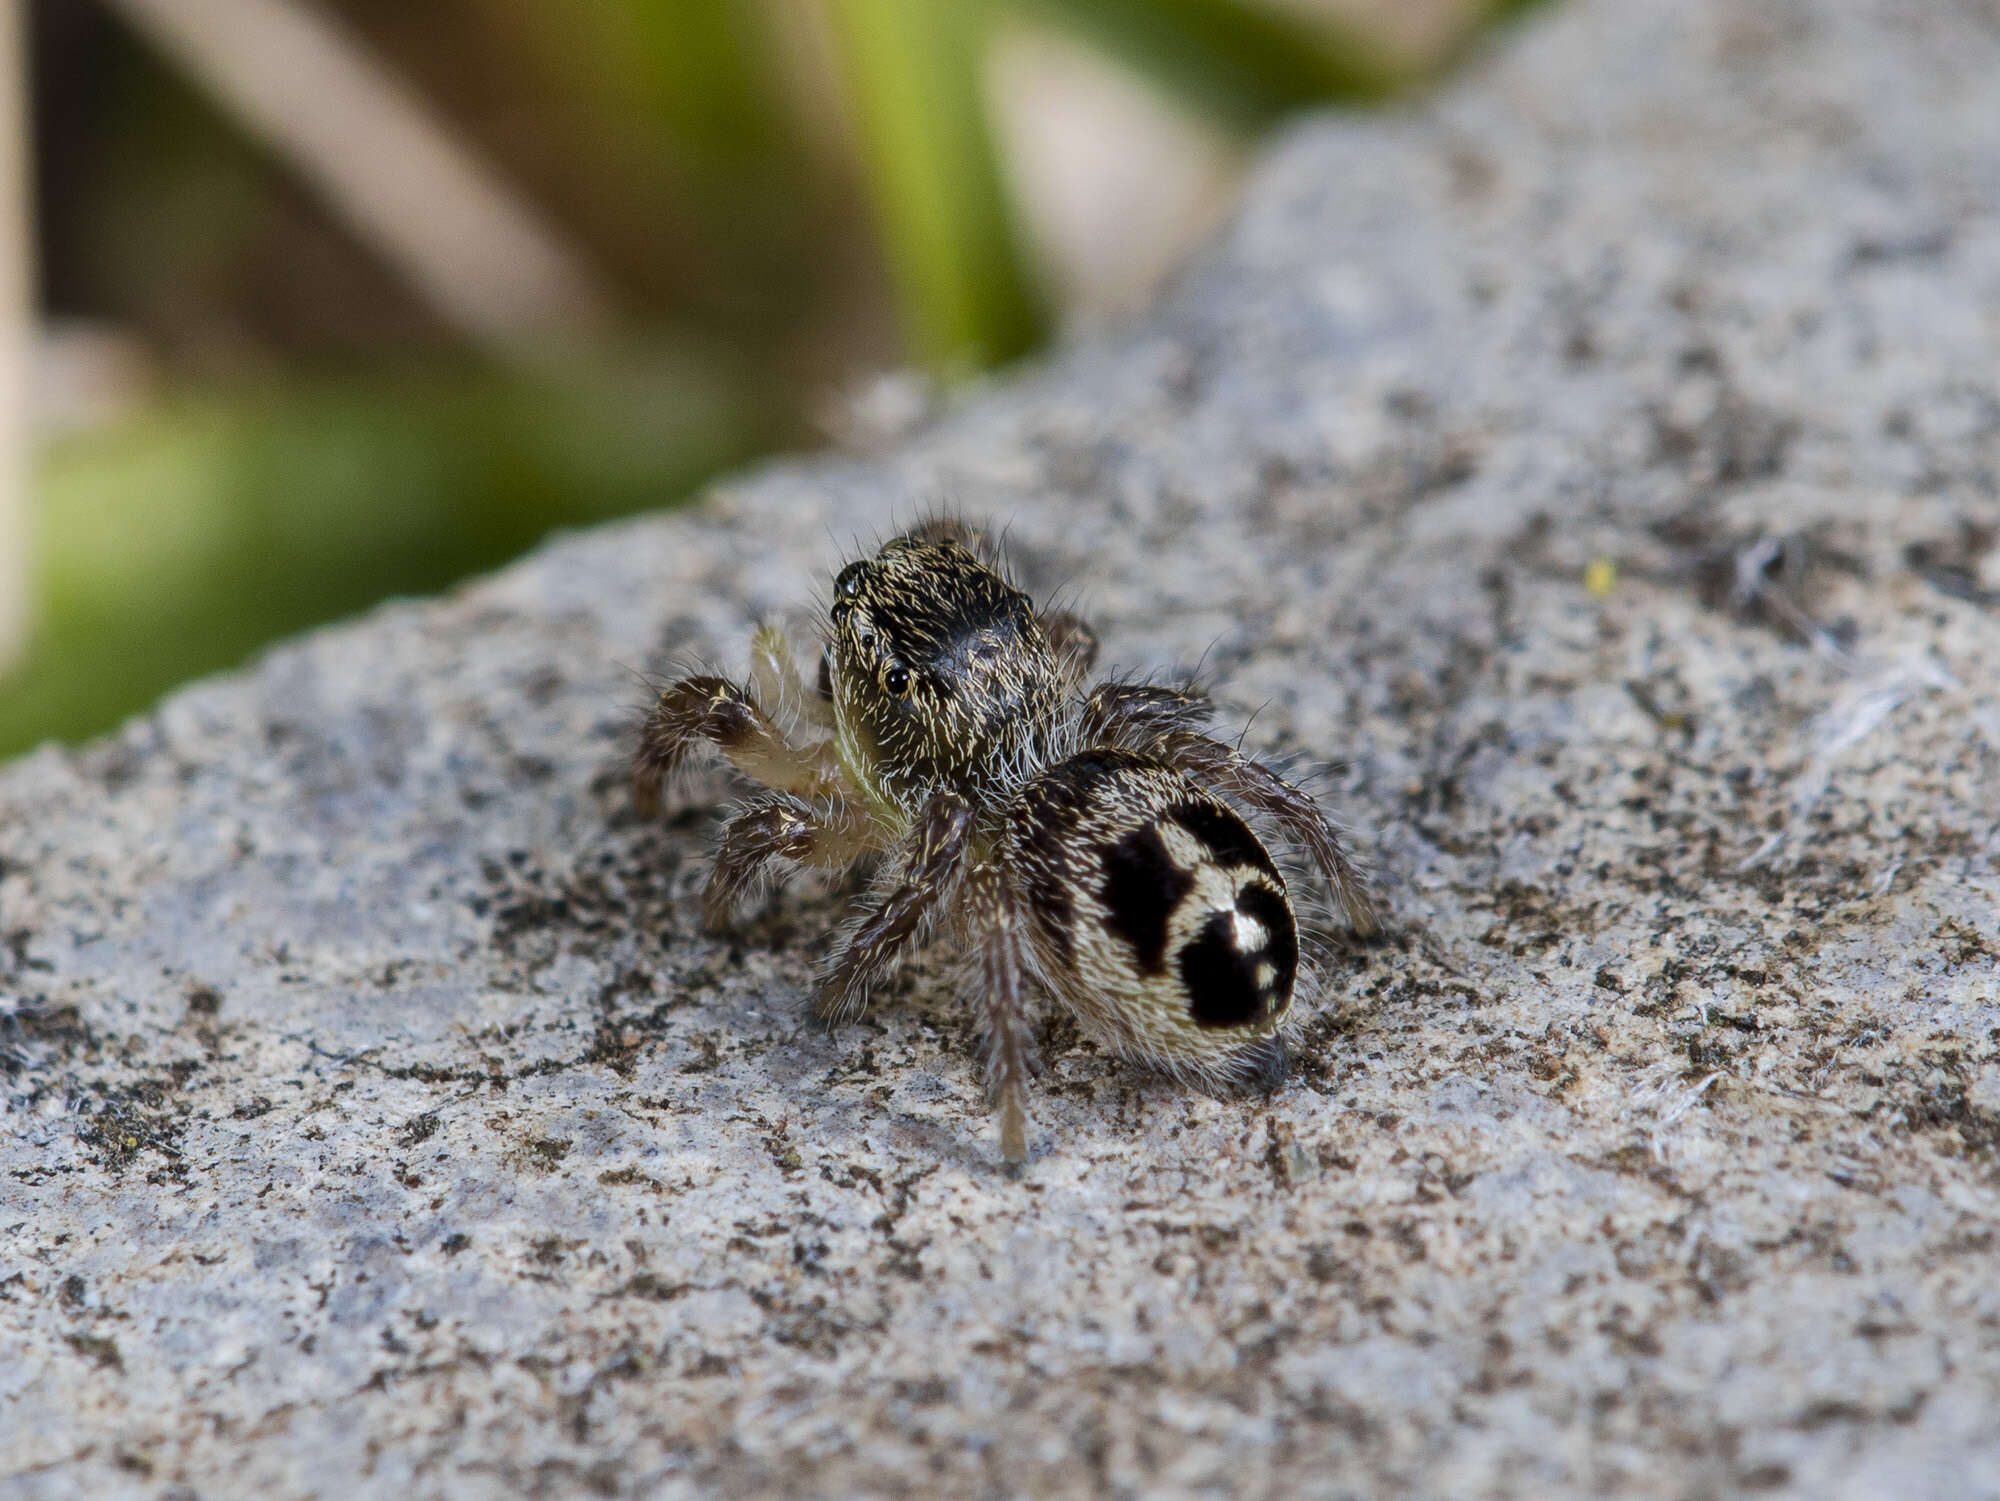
(769, 224)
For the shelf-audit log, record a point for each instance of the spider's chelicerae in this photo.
(1080, 835)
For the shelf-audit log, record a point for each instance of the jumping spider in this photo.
(1071, 833)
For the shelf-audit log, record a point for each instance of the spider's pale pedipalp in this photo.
(779, 686)
(716, 711)
(781, 829)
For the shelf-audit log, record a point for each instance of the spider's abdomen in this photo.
(1158, 916)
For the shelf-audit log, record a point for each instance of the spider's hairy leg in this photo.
(932, 859)
(1292, 808)
(1075, 642)
(995, 914)
(713, 709)
(950, 528)
(778, 686)
(782, 829)
(1132, 716)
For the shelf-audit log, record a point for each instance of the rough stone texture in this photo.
(379, 1123)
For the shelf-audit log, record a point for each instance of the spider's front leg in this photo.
(715, 710)
(997, 916)
(1292, 808)
(932, 861)
(782, 830)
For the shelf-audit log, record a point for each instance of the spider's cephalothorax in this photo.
(941, 675)
(1074, 835)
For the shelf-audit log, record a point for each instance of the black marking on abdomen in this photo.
(1221, 979)
(1142, 889)
(1226, 837)
(1266, 906)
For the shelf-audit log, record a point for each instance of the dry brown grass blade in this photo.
(385, 162)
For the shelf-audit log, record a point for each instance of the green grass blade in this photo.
(178, 544)
(1243, 63)
(914, 74)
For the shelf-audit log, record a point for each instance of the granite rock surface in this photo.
(1596, 462)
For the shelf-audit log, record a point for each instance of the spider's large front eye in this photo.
(848, 584)
(897, 680)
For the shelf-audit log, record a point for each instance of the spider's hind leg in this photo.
(1133, 716)
(1293, 809)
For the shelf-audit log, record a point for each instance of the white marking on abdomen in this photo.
(1249, 934)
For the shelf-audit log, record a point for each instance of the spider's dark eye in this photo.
(841, 611)
(849, 583)
(897, 680)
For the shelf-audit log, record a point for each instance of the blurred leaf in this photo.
(1248, 64)
(166, 196)
(914, 75)
(673, 130)
(176, 546)
(700, 67)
